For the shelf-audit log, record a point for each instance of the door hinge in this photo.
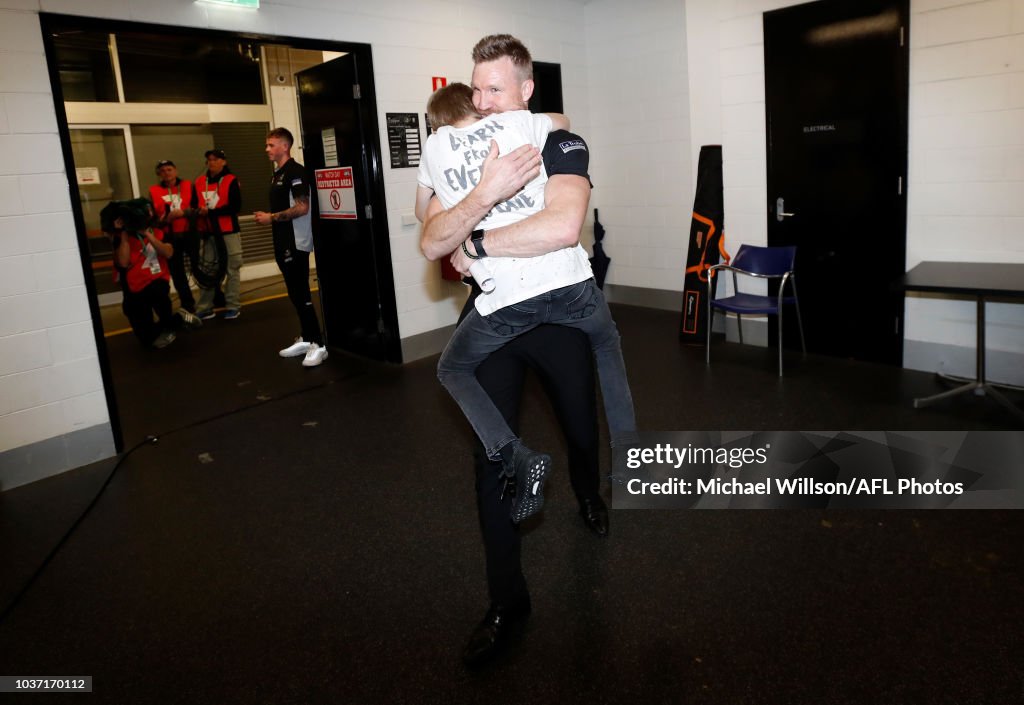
(368, 209)
(899, 186)
(901, 36)
(356, 93)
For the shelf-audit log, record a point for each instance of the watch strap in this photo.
(478, 243)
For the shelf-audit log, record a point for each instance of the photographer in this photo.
(140, 259)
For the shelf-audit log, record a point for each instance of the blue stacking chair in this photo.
(762, 263)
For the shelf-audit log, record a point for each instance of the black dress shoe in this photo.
(492, 635)
(595, 515)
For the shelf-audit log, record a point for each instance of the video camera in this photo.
(135, 215)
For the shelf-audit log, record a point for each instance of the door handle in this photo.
(780, 208)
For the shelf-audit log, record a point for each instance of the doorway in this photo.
(357, 285)
(547, 88)
(836, 86)
(103, 173)
(99, 67)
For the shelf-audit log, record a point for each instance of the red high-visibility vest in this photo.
(224, 222)
(160, 195)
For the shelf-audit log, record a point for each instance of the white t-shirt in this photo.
(450, 166)
(452, 158)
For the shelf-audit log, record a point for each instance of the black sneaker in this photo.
(189, 319)
(164, 339)
(531, 470)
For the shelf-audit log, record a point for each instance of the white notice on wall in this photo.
(88, 175)
(330, 147)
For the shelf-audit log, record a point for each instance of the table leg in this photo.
(978, 385)
(979, 381)
(963, 389)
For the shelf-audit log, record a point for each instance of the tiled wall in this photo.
(50, 384)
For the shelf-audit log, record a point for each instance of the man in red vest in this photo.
(220, 200)
(173, 200)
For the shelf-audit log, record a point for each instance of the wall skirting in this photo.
(417, 347)
(1000, 365)
(662, 299)
(36, 461)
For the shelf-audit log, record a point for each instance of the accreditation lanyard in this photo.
(173, 199)
(152, 262)
(210, 195)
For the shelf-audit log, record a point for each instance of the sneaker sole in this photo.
(315, 364)
(282, 353)
(540, 465)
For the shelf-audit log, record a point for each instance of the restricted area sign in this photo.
(336, 194)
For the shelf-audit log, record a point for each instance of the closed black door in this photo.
(836, 101)
(353, 256)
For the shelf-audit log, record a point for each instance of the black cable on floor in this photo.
(148, 440)
(67, 534)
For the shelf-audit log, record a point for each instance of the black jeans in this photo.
(140, 306)
(562, 359)
(176, 265)
(294, 265)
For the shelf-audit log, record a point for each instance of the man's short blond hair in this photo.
(496, 46)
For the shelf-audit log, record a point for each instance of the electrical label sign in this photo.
(335, 190)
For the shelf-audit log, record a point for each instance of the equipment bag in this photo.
(706, 245)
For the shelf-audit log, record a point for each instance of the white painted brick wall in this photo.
(640, 138)
(966, 180)
(49, 372)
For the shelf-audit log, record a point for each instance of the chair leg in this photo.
(799, 320)
(780, 340)
(707, 350)
(739, 326)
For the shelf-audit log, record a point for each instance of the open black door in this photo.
(353, 253)
(836, 81)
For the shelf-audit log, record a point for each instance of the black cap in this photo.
(165, 162)
(219, 153)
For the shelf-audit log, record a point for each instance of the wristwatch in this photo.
(478, 243)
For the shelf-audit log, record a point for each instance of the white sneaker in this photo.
(315, 355)
(299, 347)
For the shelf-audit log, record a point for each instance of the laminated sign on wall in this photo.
(335, 193)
